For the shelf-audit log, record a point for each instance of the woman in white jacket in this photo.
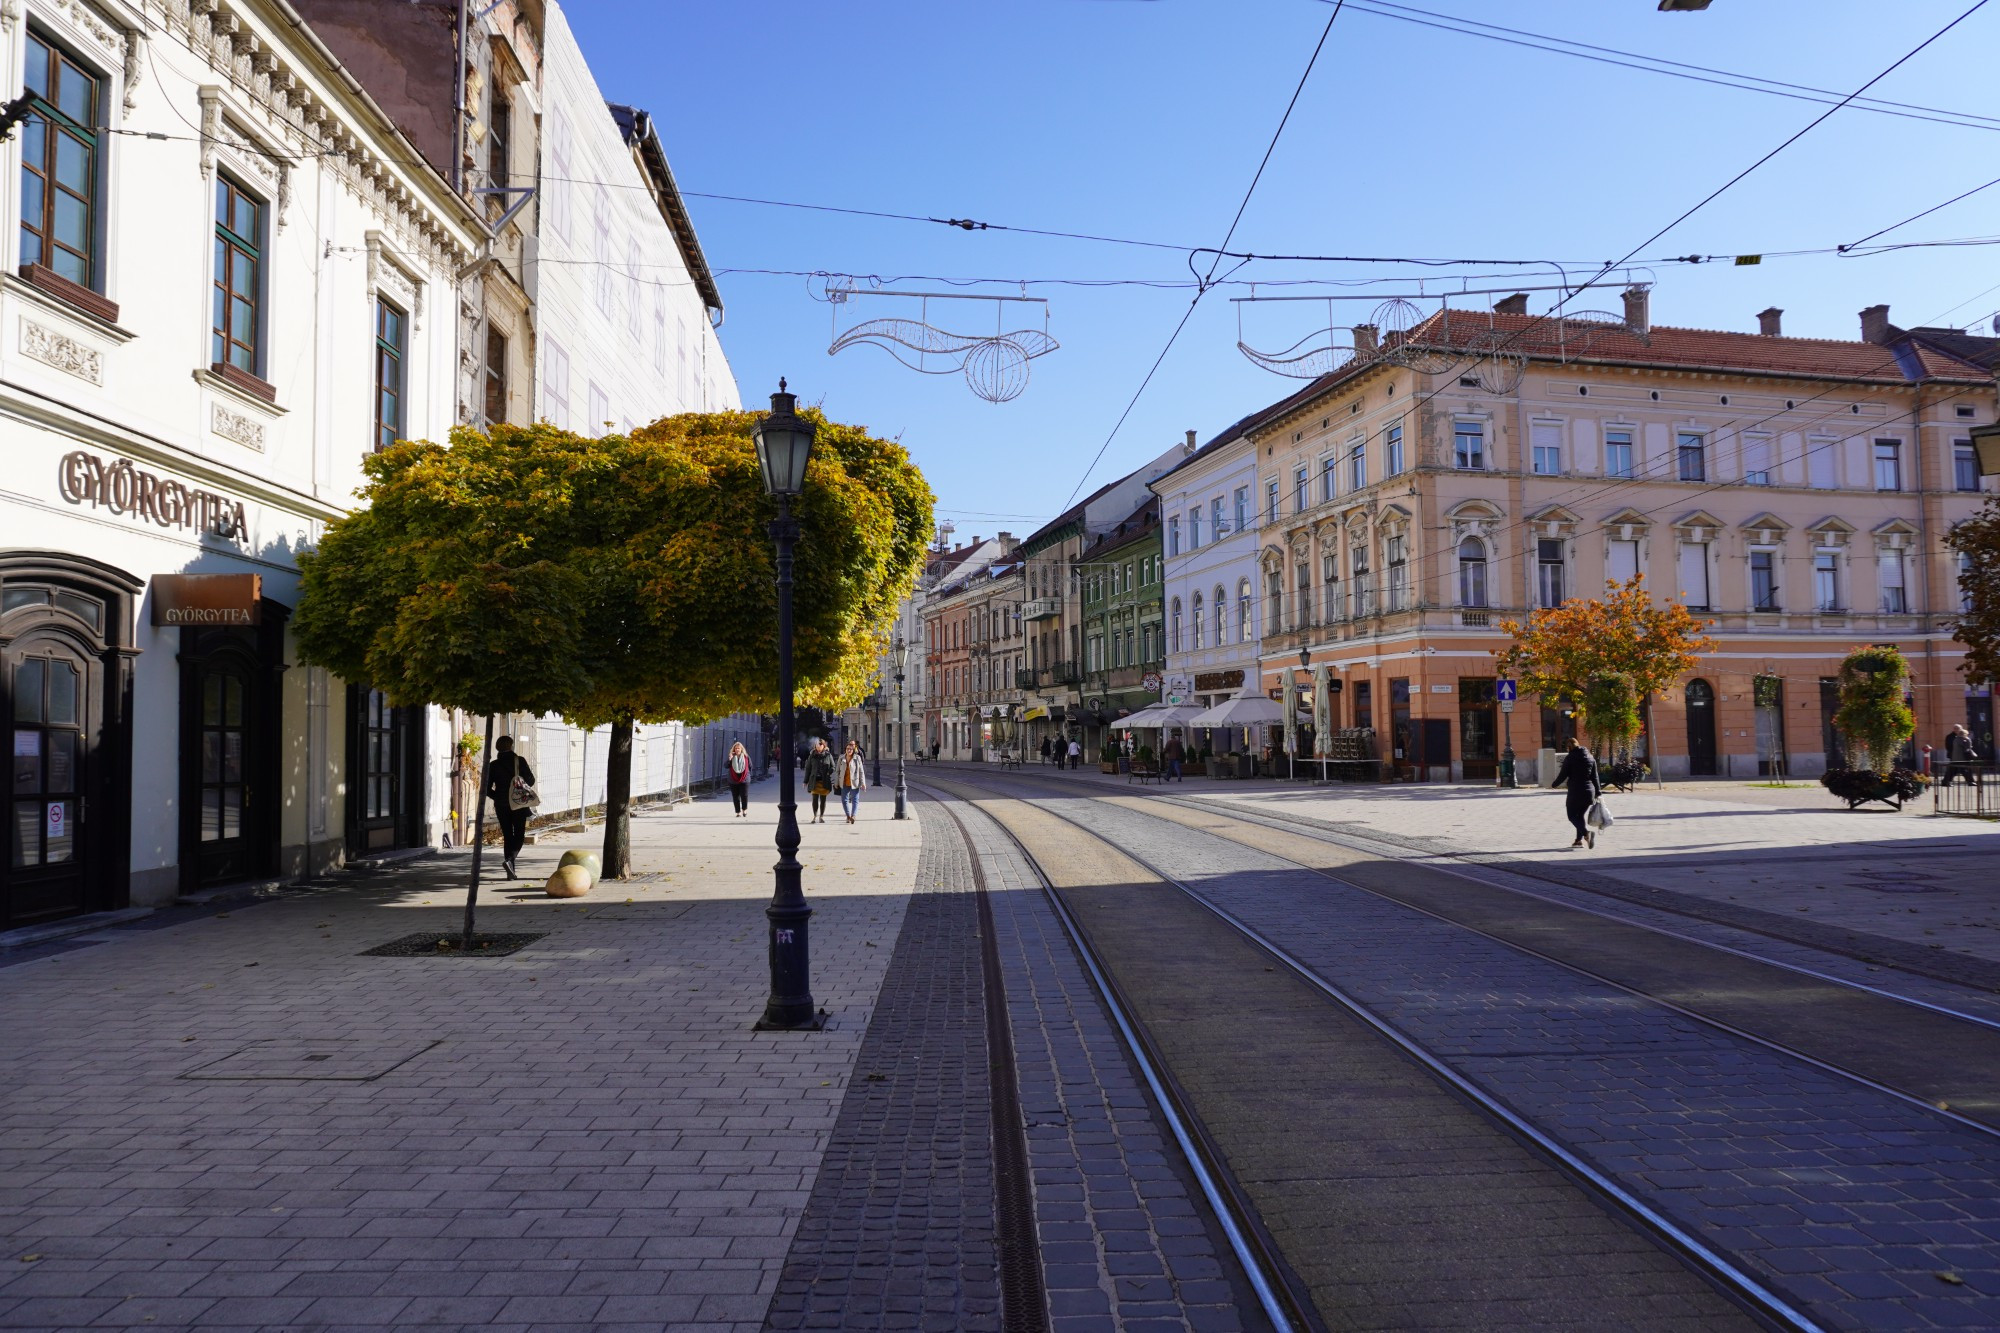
(850, 778)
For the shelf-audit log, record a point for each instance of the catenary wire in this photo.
(1914, 216)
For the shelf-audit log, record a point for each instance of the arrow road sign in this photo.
(1503, 690)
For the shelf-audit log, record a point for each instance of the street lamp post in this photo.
(902, 725)
(875, 735)
(784, 446)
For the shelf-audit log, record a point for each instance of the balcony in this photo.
(1041, 608)
(1024, 679)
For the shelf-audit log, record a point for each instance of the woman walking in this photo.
(1579, 773)
(739, 779)
(851, 779)
(819, 778)
(510, 785)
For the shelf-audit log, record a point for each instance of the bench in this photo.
(1008, 759)
(1142, 773)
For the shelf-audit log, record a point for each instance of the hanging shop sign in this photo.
(207, 599)
(125, 489)
(1150, 683)
(1215, 682)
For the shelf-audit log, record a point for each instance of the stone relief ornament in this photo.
(61, 351)
(237, 427)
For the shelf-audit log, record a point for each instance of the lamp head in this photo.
(784, 445)
(1305, 657)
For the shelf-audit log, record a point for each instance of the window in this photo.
(59, 164)
(1329, 578)
(1469, 445)
(1889, 573)
(1392, 451)
(1274, 602)
(1246, 628)
(1357, 465)
(1271, 502)
(1692, 452)
(601, 248)
(1174, 626)
(1888, 465)
(1964, 582)
(1826, 580)
(1364, 590)
(1300, 500)
(1242, 508)
(1215, 523)
(1329, 477)
(1471, 572)
(389, 351)
(1964, 466)
(600, 411)
(1694, 576)
(1757, 460)
(499, 141)
(563, 180)
(1621, 561)
(496, 377)
(1194, 528)
(1174, 539)
(659, 329)
(1549, 572)
(239, 240)
(1618, 453)
(1763, 581)
(1302, 584)
(1822, 463)
(555, 383)
(632, 297)
(1399, 573)
(1547, 448)
(1197, 621)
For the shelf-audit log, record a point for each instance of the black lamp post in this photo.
(784, 445)
(902, 651)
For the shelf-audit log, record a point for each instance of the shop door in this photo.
(51, 689)
(385, 754)
(1701, 729)
(1478, 724)
(1979, 721)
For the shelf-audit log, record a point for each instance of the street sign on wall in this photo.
(1504, 690)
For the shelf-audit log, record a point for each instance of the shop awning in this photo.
(1035, 713)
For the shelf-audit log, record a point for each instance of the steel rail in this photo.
(1289, 1311)
(1757, 1297)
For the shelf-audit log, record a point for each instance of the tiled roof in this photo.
(1665, 346)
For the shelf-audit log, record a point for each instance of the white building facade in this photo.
(1208, 521)
(229, 279)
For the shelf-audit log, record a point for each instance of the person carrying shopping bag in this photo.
(1579, 774)
(851, 780)
(819, 778)
(739, 779)
(510, 786)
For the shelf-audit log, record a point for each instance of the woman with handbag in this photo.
(510, 786)
(851, 779)
(819, 778)
(1579, 774)
(739, 779)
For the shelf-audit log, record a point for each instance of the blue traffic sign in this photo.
(1503, 690)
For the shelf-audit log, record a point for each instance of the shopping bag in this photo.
(1599, 817)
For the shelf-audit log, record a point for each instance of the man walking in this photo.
(1174, 752)
(1958, 752)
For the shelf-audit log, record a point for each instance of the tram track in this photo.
(1415, 1193)
(1880, 1038)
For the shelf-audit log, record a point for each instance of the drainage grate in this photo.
(310, 1060)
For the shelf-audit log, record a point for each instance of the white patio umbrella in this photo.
(1243, 710)
(1291, 705)
(1322, 711)
(1160, 717)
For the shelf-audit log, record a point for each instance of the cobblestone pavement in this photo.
(583, 1135)
(1860, 1205)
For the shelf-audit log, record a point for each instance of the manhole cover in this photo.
(445, 944)
(311, 1060)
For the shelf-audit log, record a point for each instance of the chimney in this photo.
(1190, 446)
(1875, 324)
(1364, 339)
(1517, 304)
(1637, 316)
(1767, 322)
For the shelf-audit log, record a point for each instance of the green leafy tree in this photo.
(1872, 715)
(1978, 539)
(614, 581)
(1610, 712)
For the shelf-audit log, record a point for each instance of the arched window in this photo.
(1197, 620)
(1274, 603)
(1176, 631)
(1221, 616)
(1472, 572)
(1246, 629)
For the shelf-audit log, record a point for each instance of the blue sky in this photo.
(1146, 119)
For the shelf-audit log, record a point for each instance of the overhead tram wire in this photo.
(1852, 245)
(1608, 55)
(1221, 251)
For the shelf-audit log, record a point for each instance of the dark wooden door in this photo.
(51, 693)
(1478, 726)
(1700, 697)
(228, 809)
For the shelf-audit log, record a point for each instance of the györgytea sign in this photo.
(123, 488)
(207, 599)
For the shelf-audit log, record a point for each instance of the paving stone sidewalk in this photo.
(237, 1122)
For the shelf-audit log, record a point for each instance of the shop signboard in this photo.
(207, 599)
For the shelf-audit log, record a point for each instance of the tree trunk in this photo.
(478, 841)
(618, 802)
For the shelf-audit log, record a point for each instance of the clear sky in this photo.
(1145, 119)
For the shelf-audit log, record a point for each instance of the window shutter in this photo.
(1623, 563)
(1694, 574)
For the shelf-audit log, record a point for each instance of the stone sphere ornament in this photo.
(590, 861)
(571, 881)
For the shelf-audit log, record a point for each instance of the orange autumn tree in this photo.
(1564, 651)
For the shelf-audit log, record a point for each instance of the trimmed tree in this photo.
(615, 581)
(1562, 650)
(1610, 713)
(1872, 716)
(1978, 539)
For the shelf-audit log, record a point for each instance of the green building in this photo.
(1124, 622)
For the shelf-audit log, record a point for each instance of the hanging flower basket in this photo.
(1859, 786)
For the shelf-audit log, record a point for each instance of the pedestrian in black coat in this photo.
(500, 776)
(1579, 774)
